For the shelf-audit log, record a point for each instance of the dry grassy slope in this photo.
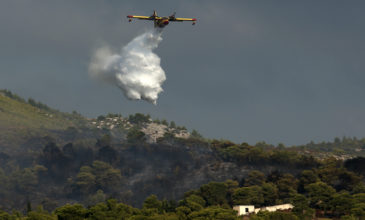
(20, 121)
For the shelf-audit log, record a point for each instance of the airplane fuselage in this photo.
(162, 23)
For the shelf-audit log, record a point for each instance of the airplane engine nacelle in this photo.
(194, 23)
(129, 20)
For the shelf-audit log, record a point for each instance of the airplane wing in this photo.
(183, 19)
(143, 17)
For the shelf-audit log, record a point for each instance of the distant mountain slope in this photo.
(16, 113)
(29, 125)
(21, 120)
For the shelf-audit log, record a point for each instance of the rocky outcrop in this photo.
(152, 130)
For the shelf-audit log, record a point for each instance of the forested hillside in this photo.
(330, 190)
(50, 158)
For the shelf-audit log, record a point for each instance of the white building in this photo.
(277, 207)
(244, 209)
(247, 209)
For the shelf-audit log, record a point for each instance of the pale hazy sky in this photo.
(275, 71)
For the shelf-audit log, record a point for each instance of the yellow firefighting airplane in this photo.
(161, 21)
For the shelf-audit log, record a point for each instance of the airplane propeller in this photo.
(173, 15)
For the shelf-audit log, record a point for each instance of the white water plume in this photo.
(135, 70)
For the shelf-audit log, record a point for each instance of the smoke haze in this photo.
(135, 70)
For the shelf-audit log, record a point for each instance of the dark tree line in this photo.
(327, 191)
(129, 172)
